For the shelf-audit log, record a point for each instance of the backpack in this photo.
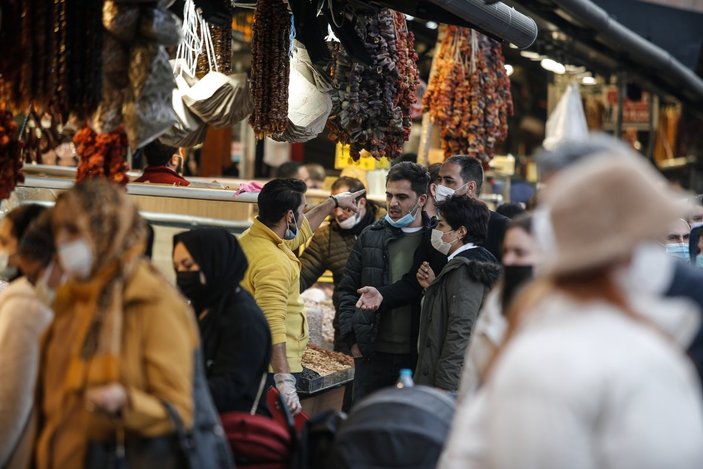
(315, 448)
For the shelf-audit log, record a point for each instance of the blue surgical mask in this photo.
(699, 261)
(406, 220)
(678, 250)
(291, 233)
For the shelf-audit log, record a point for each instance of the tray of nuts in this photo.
(323, 369)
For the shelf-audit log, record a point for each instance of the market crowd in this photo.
(569, 336)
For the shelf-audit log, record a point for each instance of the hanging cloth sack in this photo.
(309, 103)
(218, 99)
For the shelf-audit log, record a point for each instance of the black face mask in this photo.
(192, 287)
(514, 278)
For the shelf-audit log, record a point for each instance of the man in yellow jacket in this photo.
(273, 276)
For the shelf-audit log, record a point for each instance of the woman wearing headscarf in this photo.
(587, 377)
(122, 342)
(236, 341)
(24, 316)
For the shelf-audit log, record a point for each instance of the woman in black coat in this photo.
(236, 341)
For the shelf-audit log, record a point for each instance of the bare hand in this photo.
(355, 351)
(370, 299)
(425, 275)
(110, 398)
(347, 200)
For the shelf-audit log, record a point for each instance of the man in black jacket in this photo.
(381, 268)
(462, 174)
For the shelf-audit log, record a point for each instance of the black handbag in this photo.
(136, 453)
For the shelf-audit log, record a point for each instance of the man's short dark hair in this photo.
(434, 172)
(413, 172)
(277, 197)
(158, 154)
(288, 170)
(469, 212)
(471, 169)
(511, 209)
(352, 184)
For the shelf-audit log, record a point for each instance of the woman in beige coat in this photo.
(122, 341)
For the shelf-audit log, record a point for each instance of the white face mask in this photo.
(442, 192)
(76, 258)
(44, 292)
(350, 222)
(439, 244)
(4, 260)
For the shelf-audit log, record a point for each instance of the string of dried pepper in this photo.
(102, 155)
(469, 95)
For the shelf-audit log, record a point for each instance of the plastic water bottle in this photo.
(405, 380)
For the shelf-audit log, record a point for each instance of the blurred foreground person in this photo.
(12, 228)
(454, 298)
(520, 256)
(236, 341)
(121, 345)
(651, 271)
(585, 379)
(25, 314)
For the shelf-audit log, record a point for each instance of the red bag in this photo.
(256, 439)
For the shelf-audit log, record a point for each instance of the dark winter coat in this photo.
(497, 224)
(449, 311)
(330, 248)
(369, 265)
(236, 339)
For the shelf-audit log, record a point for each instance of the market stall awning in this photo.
(593, 35)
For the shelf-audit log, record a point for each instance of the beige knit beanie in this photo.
(598, 210)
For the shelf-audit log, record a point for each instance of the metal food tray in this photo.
(323, 383)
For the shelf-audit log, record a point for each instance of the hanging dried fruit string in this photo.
(10, 155)
(469, 96)
(270, 68)
(371, 102)
(102, 155)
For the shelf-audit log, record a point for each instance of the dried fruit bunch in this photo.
(102, 155)
(270, 68)
(371, 103)
(469, 97)
(10, 155)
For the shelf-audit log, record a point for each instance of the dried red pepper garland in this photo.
(102, 155)
(371, 104)
(469, 95)
(10, 155)
(270, 68)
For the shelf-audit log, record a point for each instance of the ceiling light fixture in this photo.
(509, 69)
(553, 66)
(431, 25)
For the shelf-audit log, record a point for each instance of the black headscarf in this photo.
(220, 258)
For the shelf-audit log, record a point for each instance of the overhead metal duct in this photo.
(620, 38)
(497, 19)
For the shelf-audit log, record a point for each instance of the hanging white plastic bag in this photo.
(568, 121)
(218, 99)
(308, 106)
